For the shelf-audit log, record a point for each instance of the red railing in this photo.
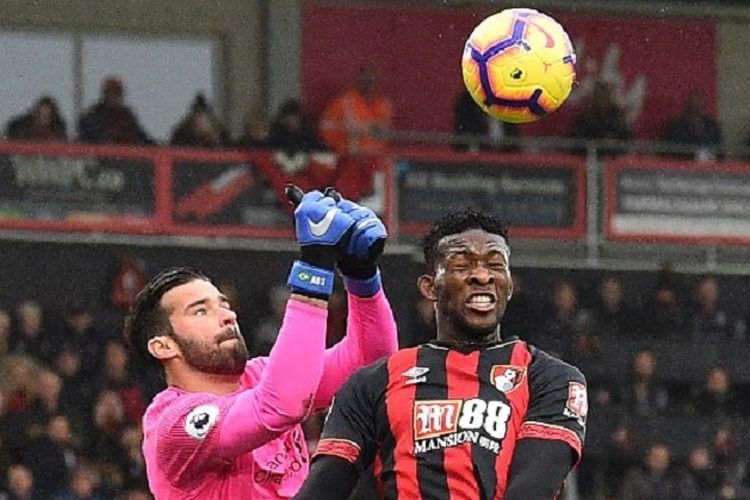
(154, 190)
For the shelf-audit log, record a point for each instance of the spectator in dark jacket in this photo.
(42, 123)
(476, 130)
(110, 120)
(292, 132)
(656, 480)
(717, 397)
(644, 395)
(602, 118)
(51, 456)
(200, 128)
(694, 128)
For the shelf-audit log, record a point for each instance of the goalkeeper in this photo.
(229, 428)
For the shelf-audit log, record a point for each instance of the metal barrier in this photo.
(585, 210)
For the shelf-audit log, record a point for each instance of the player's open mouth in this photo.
(481, 302)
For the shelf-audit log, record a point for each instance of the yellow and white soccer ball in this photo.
(519, 65)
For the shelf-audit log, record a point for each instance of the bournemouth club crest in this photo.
(506, 378)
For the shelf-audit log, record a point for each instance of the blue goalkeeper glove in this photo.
(358, 261)
(322, 230)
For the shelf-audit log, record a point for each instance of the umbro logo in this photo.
(321, 227)
(415, 375)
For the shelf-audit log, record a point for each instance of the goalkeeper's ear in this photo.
(163, 347)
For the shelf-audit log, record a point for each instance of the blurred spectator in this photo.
(654, 480)
(717, 397)
(6, 455)
(612, 315)
(337, 313)
(565, 329)
(82, 486)
(135, 494)
(6, 334)
(703, 479)
(117, 377)
(239, 306)
(298, 151)
(420, 324)
(710, 322)
(48, 402)
(132, 465)
(292, 132)
(643, 396)
(42, 123)
(622, 454)
(17, 376)
(355, 122)
(32, 337)
(108, 421)
(521, 316)
(20, 484)
(488, 132)
(51, 456)
(265, 333)
(255, 131)
(731, 465)
(201, 127)
(694, 128)
(79, 331)
(111, 120)
(663, 315)
(602, 118)
(77, 391)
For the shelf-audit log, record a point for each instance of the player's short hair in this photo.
(147, 318)
(458, 222)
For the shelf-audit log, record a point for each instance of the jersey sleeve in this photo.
(370, 335)
(188, 436)
(350, 427)
(558, 402)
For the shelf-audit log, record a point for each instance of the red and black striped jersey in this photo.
(439, 423)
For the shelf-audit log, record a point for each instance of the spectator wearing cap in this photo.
(111, 121)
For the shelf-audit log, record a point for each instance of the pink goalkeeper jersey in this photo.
(250, 444)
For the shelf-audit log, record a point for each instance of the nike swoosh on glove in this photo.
(318, 221)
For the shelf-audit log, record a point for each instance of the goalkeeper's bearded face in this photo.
(205, 328)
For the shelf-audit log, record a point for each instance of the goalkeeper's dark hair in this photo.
(458, 222)
(147, 318)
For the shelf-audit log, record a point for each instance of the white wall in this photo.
(235, 23)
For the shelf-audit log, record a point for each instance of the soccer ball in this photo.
(519, 65)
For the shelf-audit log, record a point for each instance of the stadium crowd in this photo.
(72, 398)
(355, 122)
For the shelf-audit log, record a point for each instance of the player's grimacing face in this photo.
(205, 328)
(473, 282)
